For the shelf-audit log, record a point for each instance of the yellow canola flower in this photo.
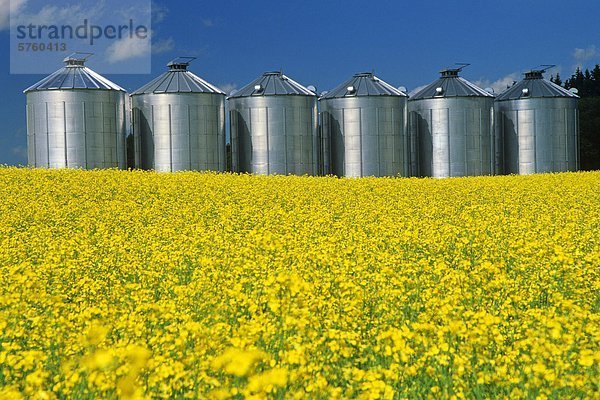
(586, 358)
(128, 389)
(132, 284)
(238, 362)
(10, 393)
(96, 334)
(268, 380)
(99, 360)
(137, 357)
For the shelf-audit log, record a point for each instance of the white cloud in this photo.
(499, 85)
(8, 8)
(417, 90)
(127, 48)
(20, 151)
(139, 12)
(582, 55)
(208, 23)
(69, 15)
(159, 12)
(557, 69)
(228, 87)
(163, 46)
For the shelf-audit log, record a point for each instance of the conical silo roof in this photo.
(74, 75)
(273, 84)
(363, 84)
(177, 80)
(534, 86)
(450, 84)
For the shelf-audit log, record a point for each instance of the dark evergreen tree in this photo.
(557, 80)
(588, 85)
(575, 81)
(596, 73)
(596, 80)
(589, 133)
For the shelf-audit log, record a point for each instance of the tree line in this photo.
(587, 84)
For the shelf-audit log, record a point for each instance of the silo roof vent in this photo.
(534, 74)
(77, 59)
(74, 62)
(180, 63)
(450, 72)
(177, 66)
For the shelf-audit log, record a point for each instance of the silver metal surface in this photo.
(178, 80)
(453, 128)
(179, 123)
(270, 84)
(76, 119)
(364, 123)
(274, 133)
(450, 84)
(74, 75)
(535, 86)
(539, 123)
(363, 84)
(540, 134)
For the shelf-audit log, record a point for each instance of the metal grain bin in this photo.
(452, 120)
(539, 123)
(364, 119)
(76, 118)
(274, 127)
(179, 122)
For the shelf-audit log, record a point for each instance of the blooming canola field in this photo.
(129, 284)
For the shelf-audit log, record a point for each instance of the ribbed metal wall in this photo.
(274, 134)
(540, 135)
(539, 123)
(455, 136)
(182, 131)
(368, 135)
(274, 127)
(452, 120)
(179, 122)
(76, 118)
(76, 128)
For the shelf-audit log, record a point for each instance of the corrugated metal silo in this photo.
(452, 120)
(364, 119)
(539, 123)
(274, 127)
(76, 118)
(179, 122)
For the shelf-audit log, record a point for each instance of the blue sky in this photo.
(322, 43)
